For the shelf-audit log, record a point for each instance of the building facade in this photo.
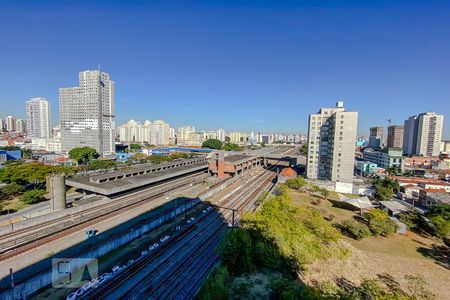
(21, 126)
(155, 133)
(390, 158)
(87, 113)
(331, 140)
(10, 123)
(38, 118)
(376, 135)
(423, 134)
(395, 136)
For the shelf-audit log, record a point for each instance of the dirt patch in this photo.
(385, 257)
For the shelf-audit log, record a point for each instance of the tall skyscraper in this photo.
(2, 125)
(38, 118)
(10, 123)
(20, 126)
(331, 140)
(395, 136)
(423, 134)
(87, 113)
(376, 137)
(161, 132)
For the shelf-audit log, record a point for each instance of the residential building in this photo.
(445, 146)
(365, 167)
(38, 118)
(376, 137)
(212, 134)
(220, 135)
(422, 162)
(2, 125)
(10, 124)
(195, 139)
(48, 144)
(423, 134)
(389, 158)
(183, 134)
(87, 113)
(238, 137)
(395, 136)
(331, 140)
(21, 126)
(155, 133)
(432, 196)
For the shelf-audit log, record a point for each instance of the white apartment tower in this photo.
(422, 134)
(10, 123)
(331, 144)
(155, 133)
(87, 113)
(38, 118)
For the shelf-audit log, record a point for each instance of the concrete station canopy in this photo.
(119, 181)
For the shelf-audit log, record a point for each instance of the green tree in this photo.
(441, 226)
(303, 149)
(354, 229)
(25, 173)
(12, 189)
(231, 147)
(102, 164)
(27, 154)
(33, 196)
(237, 252)
(379, 222)
(135, 147)
(83, 155)
(296, 183)
(141, 158)
(212, 144)
(215, 286)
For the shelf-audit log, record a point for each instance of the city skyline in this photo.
(180, 68)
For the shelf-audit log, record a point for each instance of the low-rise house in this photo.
(286, 174)
(431, 197)
(365, 167)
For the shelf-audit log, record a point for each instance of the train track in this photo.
(18, 242)
(180, 277)
(161, 258)
(178, 267)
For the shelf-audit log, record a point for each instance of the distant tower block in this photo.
(57, 188)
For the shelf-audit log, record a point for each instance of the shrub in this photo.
(354, 229)
(33, 196)
(296, 183)
(12, 189)
(379, 222)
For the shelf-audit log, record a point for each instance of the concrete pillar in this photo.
(220, 164)
(56, 185)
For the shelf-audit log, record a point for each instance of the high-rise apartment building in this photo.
(331, 140)
(423, 134)
(87, 113)
(2, 125)
(220, 134)
(21, 126)
(155, 133)
(10, 123)
(395, 136)
(38, 118)
(183, 134)
(376, 137)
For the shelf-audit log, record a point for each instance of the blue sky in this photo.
(238, 65)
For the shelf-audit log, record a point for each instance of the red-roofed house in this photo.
(286, 174)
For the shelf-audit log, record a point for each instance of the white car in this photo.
(155, 245)
(116, 269)
(143, 252)
(192, 218)
(204, 211)
(130, 262)
(151, 247)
